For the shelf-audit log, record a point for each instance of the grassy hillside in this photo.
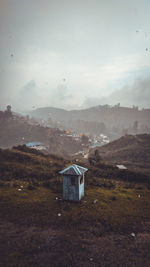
(131, 150)
(25, 164)
(95, 231)
(15, 130)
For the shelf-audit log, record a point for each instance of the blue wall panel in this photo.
(72, 192)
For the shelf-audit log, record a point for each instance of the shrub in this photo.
(31, 187)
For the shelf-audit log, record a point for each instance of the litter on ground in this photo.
(133, 234)
(121, 167)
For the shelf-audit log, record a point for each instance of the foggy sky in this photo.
(74, 54)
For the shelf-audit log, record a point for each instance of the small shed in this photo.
(73, 182)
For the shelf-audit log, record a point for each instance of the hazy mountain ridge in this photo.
(115, 118)
(47, 112)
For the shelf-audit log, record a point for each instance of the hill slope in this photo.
(15, 130)
(131, 150)
(38, 228)
(29, 165)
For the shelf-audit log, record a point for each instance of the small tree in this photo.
(98, 158)
(9, 108)
(84, 139)
(8, 113)
(95, 159)
(135, 126)
(90, 160)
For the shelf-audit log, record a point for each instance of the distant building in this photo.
(73, 182)
(36, 145)
(121, 167)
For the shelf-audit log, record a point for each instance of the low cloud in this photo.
(28, 95)
(137, 94)
(62, 93)
(28, 91)
(32, 96)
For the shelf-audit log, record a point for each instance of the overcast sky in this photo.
(74, 53)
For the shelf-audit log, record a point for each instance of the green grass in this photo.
(117, 209)
(32, 232)
(118, 205)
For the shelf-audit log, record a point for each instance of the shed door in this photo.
(72, 188)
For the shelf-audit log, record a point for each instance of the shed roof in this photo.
(74, 170)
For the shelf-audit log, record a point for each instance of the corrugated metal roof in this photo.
(74, 170)
(34, 144)
(122, 167)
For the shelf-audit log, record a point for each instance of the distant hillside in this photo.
(114, 118)
(49, 112)
(132, 151)
(16, 130)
